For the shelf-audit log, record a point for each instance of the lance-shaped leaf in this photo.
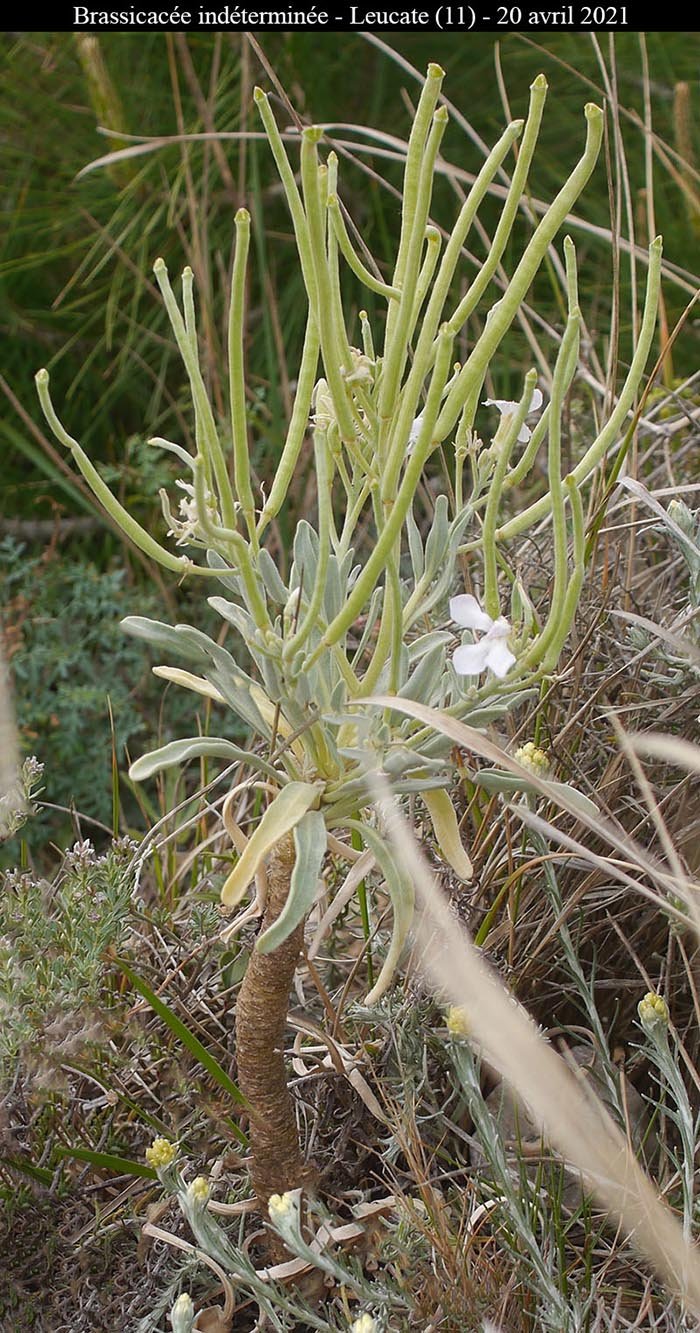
(495, 711)
(401, 759)
(413, 786)
(402, 902)
(242, 695)
(337, 584)
(223, 673)
(310, 840)
(275, 720)
(281, 817)
(498, 779)
(189, 682)
(446, 829)
(195, 747)
(164, 637)
(422, 683)
(438, 537)
(415, 547)
(235, 615)
(306, 547)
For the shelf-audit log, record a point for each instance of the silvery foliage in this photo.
(354, 621)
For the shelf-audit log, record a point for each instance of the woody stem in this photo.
(261, 1013)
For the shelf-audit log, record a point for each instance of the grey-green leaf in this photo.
(423, 683)
(305, 556)
(228, 576)
(576, 797)
(500, 780)
(235, 615)
(165, 638)
(310, 840)
(402, 897)
(334, 592)
(415, 546)
(192, 747)
(438, 537)
(274, 586)
(282, 815)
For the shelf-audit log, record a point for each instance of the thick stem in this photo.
(261, 1015)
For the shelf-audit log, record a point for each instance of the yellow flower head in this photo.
(198, 1189)
(457, 1021)
(161, 1153)
(653, 1012)
(533, 759)
(281, 1208)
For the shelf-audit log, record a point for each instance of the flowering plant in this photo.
(351, 622)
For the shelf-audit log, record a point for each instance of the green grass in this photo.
(78, 294)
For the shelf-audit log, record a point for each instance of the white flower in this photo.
(362, 368)
(415, 432)
(187, 528)
(418, 421)
(323, 414)
(491, 650)
(507, 408)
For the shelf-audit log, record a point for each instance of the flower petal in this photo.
(470, 658)
(415, 431)
(499, 657)
(465, 611)
(504, 405)
(499, 629)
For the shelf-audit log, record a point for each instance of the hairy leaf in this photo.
(281, 817)
(446, 829)
(310, 840)
(402, 902)
(194, 747)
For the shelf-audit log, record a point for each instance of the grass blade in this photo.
(188, 1039)
(41, 1174)
(124, 1166)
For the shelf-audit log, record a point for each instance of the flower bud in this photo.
(182, 1314)
(457, 1021)
(365, 1324)
(281, 1208)
(533, 759)
(653, 1013)
(198, 1191)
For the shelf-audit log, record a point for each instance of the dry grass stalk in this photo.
(574, 1121)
